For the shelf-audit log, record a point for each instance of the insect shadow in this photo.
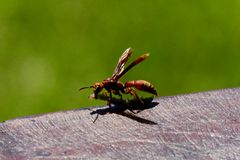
(126, 108)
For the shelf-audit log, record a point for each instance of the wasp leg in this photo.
(109, 98)
(111, 92)
(119, 94)
(134, 94)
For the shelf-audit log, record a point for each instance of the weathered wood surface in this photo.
(194, 126)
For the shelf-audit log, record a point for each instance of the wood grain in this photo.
(193, 126)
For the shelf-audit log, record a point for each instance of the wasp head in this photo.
(97, 87)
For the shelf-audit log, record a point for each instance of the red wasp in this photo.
(114, 86)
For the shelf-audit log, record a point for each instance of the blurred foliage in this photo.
(49, 49)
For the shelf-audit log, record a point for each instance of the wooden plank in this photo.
(193, 126)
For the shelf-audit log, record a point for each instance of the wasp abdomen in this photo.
(142, 85)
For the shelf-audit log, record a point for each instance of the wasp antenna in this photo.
(85, 88)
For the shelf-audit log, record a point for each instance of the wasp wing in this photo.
(121, 62)
(134, 63)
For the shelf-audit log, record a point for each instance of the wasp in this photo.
(113, 85)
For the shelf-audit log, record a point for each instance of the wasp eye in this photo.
(98, 86)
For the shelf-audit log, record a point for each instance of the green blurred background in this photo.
(50, 48)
